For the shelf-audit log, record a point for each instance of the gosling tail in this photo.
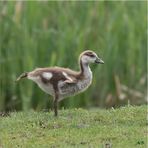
(23, 75)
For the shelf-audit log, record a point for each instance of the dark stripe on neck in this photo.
(82, 65)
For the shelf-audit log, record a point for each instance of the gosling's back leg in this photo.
(55, 104)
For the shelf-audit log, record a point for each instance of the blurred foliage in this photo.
(43, 34)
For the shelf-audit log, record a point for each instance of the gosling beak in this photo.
(99, 61)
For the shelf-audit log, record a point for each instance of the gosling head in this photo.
(89, 56)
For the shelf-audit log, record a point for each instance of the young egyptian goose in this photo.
(63, 82)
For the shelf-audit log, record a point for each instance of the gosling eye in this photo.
(92, 55)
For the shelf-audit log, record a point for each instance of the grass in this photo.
(124, 127)
(41, 34)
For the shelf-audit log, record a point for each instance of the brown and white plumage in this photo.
(63, 82)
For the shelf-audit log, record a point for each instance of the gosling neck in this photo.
(85, 69)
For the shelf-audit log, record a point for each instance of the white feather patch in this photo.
(66, 76)
(47, 75)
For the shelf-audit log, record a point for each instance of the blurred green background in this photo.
(43, 34)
